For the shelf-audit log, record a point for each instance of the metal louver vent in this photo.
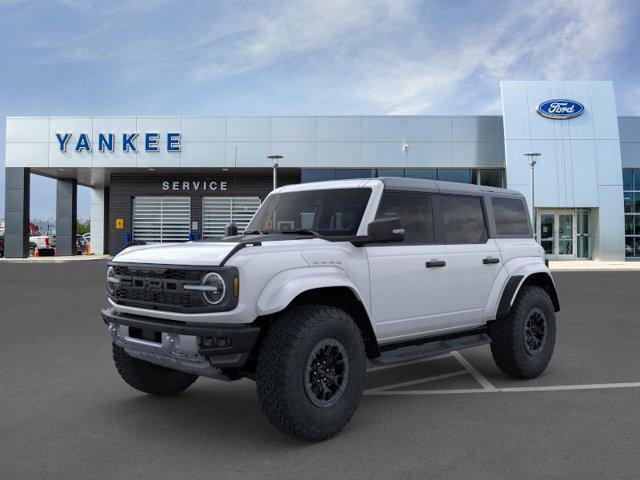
(217, 212)
(161, 219)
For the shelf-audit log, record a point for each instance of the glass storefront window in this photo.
(628, 224)
(488, 177)
(492, 177)
(390, 172)
(627, 179)
(636, 179)
(628, 202)
(424, 173)
(631, 182)
(347, 173)
(317, 174)
(585, 246)
(460, 175)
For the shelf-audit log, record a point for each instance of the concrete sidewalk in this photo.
(591, 265)
(54, 259)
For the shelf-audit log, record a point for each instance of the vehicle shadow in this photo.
(208, 409)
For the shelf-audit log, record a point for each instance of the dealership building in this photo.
(175, 178)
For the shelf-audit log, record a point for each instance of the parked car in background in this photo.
(81, 245)
(45, 243)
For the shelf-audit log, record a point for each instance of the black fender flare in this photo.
(516, 282)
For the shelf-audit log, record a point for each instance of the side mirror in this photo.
(385, 230)
(231, 230)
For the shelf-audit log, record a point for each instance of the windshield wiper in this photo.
(301, 231)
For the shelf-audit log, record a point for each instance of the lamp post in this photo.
(531, 156)
(274, 163)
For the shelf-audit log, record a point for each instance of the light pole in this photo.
(532, 163)
(274, 163)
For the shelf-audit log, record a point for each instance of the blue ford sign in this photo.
(107, 142)
(560, 109)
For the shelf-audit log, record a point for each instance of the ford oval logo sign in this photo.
(560, 109)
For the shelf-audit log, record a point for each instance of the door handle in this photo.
(436, 263)
(489, 260)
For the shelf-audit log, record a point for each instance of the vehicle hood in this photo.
(207, 252)
(190, 253)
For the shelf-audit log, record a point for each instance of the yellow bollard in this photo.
(88, 248)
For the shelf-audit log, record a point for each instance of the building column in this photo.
(66, 217)
(17, 190)
(609, 227)
(98, 216)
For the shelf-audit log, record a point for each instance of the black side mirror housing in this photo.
(384, 230)
(231, 230)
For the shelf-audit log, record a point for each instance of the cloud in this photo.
(390, 56)
(538, 40)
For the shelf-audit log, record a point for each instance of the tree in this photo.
(84, 226)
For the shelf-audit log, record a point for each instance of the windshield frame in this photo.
(367, 193)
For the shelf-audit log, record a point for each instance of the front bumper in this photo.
(197, 348)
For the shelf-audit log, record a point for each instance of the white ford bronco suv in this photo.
(326, 277)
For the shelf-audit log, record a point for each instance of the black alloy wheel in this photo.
(326, 373)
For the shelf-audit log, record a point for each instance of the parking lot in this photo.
(66, 413)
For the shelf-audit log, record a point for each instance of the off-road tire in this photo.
(281, 371)
(150, 378)
(508, 335)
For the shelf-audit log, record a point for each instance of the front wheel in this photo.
(523, 342)
(310, 371)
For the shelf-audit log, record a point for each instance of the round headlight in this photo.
(111, 280)
(214, 288)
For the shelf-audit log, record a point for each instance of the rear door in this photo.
(474, 258)
(409, 280)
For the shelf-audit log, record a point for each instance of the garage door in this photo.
(161, 219)
(217, 212)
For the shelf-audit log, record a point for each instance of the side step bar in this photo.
(431, 347)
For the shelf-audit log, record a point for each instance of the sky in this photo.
(147, 57)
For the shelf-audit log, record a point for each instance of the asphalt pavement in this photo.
(66, 414)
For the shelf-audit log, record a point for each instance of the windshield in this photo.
(335, 212)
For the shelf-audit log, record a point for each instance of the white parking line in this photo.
(481, 379)
(414, 382)
(548, 388)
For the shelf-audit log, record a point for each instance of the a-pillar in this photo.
(66, 217)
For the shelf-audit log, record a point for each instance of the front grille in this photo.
(161, 288)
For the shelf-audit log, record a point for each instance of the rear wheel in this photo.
(522, 343)
(310, 371)
(150, 378)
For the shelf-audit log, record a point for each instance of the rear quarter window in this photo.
(463, 219)
(510, 216)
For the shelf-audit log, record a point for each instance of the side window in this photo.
(463, 219)
(511, 216)
(415, 211)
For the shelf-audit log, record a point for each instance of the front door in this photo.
(557, 232)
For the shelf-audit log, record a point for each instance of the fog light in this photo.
(113, 329)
